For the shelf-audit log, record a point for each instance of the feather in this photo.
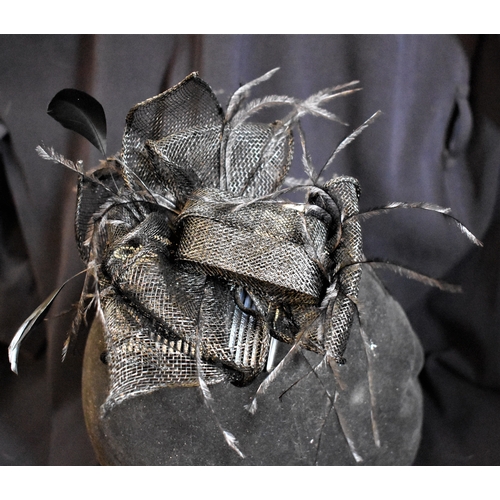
(344, 422)
(264, 385)
(242, 93)
(210, 403)
(80, 112)
(408, 273)
(156, 198)
(312, 105)
(400, 204)
(306, 157)
(368, 345)
(205, 390)
(88, 298)
(294, 182)
(252, 407)
(270, 196)
(330, 407)
(346, 431)
(332, 92)
(232, 442)
(48, 153)
(34, 319)
(348, 140)
(423, 206)
(257, 105)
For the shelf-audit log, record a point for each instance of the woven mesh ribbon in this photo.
(197, 264)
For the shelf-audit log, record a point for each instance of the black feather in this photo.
(34, 319)
(80, 112)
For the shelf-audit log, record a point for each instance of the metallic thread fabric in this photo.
(196, 264)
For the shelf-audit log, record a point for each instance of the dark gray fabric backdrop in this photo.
(438, 140)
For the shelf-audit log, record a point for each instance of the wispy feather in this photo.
(205, 390)
(259, 104)
(408, 273)
(312, 105)
(48, 153)
(306, 157)
(296, 347)
(330, 93)
(422, 206)
(242, 93)
(399, 204)
(347, 141)
(89, 299)
(294, 182)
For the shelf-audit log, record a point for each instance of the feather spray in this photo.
(197, 264)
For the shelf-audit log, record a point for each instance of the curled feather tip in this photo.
(33, 320)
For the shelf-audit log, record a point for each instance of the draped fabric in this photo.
(438, 140)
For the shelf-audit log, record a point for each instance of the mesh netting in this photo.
(196, 266)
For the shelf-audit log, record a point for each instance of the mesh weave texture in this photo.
(196, 266)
